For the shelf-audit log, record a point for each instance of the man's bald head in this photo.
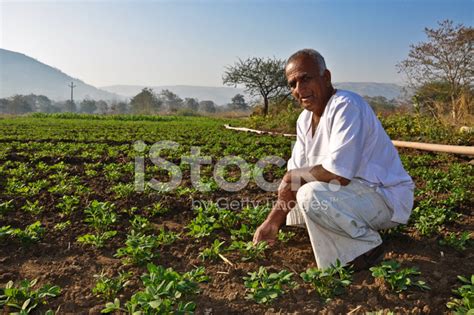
(311, 53)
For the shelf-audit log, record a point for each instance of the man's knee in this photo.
(307, 196)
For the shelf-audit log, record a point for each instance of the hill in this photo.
(21, 74)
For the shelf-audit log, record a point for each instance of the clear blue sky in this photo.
(191, 42)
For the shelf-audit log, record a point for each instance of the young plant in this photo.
(107, 288)
(33, 207)
(140, 224)
(165, 292)
(399, 280)
(100, 215)
(249, 250)
(24, 298)
(330, 281)
(157, 209)
(31, 234)
(6, 207)
(62, 225)
(98, 240)
(464, 304)
(166, 237)
(67, 205)
(264, 288)
(458, 242)
(139, 249)
(212, 252)
(284, 237)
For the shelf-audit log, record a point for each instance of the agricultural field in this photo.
(89, 225)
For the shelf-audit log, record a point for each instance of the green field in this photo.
(71, 216)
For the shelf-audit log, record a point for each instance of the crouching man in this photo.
(345, 180)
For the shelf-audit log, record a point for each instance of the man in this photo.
(345, 180)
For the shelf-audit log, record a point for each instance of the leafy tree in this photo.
(119, 108)
(69, 106)
(191, 104)
(18, 104)
(447, 56)
(264, 77)
(102, 107)
(238, 103)
(171, 100)
(145, 102)
(3, 105)
(88, 106)
(44, 104)
(207, 106)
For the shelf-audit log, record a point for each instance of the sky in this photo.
(191, 42)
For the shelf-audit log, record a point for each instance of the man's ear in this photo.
(327, 76)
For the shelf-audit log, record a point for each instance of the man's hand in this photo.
(267, 231)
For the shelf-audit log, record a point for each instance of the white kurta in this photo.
(350, 142)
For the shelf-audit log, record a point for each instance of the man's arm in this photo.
(290, 184)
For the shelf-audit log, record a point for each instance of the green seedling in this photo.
(265, 288)
(61, 226)
(249, 250)
(68, 205)
(459, 242)
(98, 240)
(212, 253)
(165, 292)
(24, 298)
(328, 282)
(139, 249)
(464, 303)
(399, 280)
(107, 288)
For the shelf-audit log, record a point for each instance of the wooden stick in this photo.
(455, 149)
(227, 261)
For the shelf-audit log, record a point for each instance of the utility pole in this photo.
(72, 86)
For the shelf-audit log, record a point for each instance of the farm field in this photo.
(72, 218)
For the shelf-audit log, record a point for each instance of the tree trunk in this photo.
(265, 105)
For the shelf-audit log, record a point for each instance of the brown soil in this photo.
(58, 259)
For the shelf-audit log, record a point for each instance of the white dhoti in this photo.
(341, 224)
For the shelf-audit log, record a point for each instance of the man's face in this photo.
(310, 89)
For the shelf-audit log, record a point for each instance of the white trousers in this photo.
(341, 224)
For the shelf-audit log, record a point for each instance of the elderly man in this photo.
(345, 180)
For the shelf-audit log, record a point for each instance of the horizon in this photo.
(366, 40)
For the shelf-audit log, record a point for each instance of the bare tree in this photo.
(446, 57)
(264, 77)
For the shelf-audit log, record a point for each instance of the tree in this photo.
(238, 103)
(119, 108)
(171, 100)
(264, 77)
(88, 106)
(102, 107)
(191, 104)
(44, 104)
(207, 106)
(69, 106)
(145, 102)
(18, 104)
(447, 56)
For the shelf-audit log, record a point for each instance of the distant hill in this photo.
(387, 90)
(20, 74)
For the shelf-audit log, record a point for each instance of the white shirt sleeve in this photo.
(297, 159)
(345, 141)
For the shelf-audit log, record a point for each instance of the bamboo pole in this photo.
(455, 149)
